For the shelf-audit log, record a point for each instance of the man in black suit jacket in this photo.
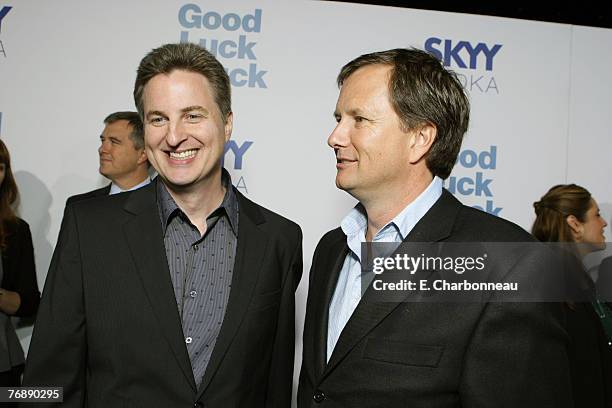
(123, 159)
(401, 119)
(129, 299)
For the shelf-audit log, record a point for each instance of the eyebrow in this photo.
(155, 113)
(352, 112)
(196, 108)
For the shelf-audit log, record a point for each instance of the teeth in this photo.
(187, 154)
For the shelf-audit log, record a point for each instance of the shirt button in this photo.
(188, 340)
(195, 247)
(193, 293)
(319, 397)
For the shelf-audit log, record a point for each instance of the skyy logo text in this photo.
(465, 55)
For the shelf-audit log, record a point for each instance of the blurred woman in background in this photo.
(19, 294)
(568, 213)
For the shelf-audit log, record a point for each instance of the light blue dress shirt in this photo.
(348, 289)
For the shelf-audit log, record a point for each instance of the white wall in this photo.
(543, 104)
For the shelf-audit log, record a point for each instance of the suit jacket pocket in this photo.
(399, 352)
(264, 301)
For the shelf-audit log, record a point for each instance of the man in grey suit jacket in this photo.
(179, 294)
(401, 117)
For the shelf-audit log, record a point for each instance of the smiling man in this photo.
(195, 307)
(401, 117)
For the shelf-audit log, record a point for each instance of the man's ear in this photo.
(143, 156)
(229, 125)
(575, 227)
(421, 140)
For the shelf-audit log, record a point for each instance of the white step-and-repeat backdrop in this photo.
(540, 96)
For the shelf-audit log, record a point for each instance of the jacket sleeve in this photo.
(25, 279)
(57, 354)
(280, 381)
(517, 355)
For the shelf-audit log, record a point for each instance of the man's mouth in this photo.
(183, 155)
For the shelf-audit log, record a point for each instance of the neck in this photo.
(131, 180)
(199, 201)
(382, 208)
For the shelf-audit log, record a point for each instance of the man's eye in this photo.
(157, 121)
(193, 117)
(360, 119)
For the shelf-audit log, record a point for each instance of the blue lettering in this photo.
(256, 77)
(488, 160)
(245, 49)
(190, 16)
(187, 19)
(252, 23)
(482, 185)
(489, 54)
(223, 49)
(184, 37)
(489, 208)
(463, 186)
(233, 75)
(429, 47)
(453, 52)
(238, 151)
(231, 22)
(468, 158)
(3, 12)
(492, 210)
(227, 48)
(211, 20)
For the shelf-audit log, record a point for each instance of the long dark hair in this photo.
(8, 195)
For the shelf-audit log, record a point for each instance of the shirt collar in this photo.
(115, 189)
(168, 208)
(355, 223)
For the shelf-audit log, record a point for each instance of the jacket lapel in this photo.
(325, 282)
(145, 239)
(250, 251)
(435, 225)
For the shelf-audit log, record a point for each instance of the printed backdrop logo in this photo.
(233, 45)
(238, 152)
(473, 63)
(477, 185)
(3, 12)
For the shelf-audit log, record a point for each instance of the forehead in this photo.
(178, 88)
(366, 86)
(119, 128)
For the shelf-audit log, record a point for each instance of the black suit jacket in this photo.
(108, 328)
(103, 191)
(435, 354)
